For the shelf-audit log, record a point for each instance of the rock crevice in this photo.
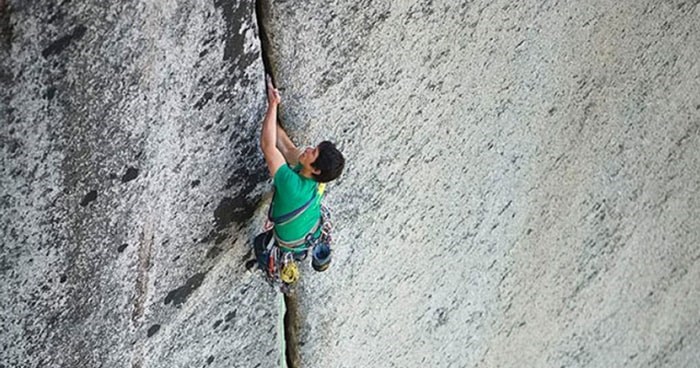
(291, 320)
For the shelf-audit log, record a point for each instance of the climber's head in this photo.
(324, 162)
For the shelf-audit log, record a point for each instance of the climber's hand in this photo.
(273, 95)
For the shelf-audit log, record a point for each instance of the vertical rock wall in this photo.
(130, 170)
(522, 182)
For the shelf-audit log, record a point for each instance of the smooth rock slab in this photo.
(130, 171)
(522, 181)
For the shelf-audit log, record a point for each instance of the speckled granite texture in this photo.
(522, 183)
(130, 170)
(521, 190)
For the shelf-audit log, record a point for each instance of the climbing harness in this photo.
(279, 259)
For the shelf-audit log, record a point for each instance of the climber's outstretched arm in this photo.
(268, 137)
(287, 147)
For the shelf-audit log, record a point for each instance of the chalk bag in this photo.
(321, 257)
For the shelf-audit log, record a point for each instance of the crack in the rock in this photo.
(291, 315)
(5, 25)
(262, 7)
(291, 331)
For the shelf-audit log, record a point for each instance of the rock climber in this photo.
(298, 178)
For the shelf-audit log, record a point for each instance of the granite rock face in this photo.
(522, 181)
(130, 170)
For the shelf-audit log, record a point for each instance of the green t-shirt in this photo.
(292, 191)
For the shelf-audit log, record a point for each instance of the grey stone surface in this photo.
(522, 182)
(130, 170)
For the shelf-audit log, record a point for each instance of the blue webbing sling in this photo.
(288, 217)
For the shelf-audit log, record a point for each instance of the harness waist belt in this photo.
(295, 245)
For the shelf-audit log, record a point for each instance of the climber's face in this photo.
(307, 157)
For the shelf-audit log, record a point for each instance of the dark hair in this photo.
(329, 161)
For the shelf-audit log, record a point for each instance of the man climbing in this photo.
(299, 177)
